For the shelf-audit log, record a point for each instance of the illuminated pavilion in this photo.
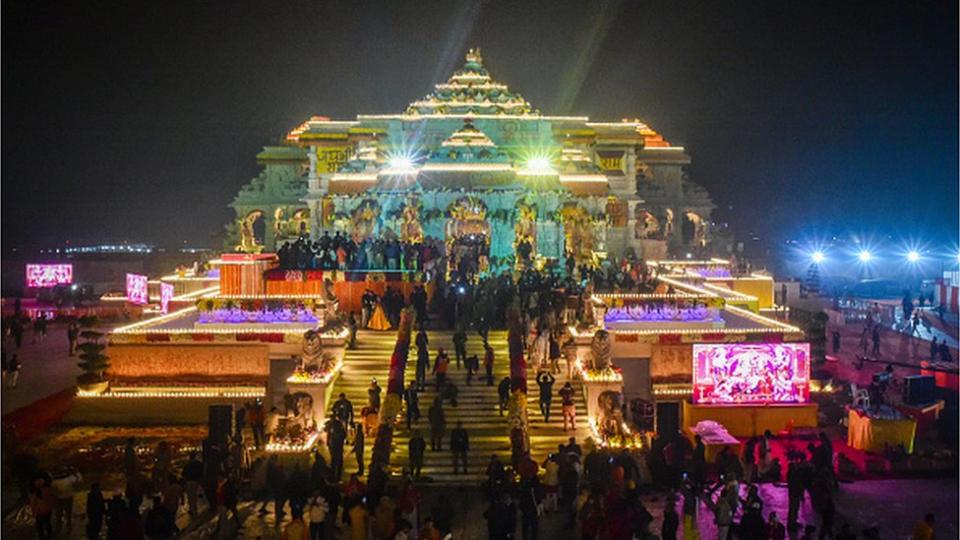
(474, 161)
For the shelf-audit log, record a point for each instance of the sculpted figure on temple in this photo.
(600, 350)
(610, 415)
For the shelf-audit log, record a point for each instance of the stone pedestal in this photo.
(320, 392)
(592, 391)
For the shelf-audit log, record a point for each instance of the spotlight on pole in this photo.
(818, 257)
(864, 256)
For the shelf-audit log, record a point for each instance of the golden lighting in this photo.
(178, 392)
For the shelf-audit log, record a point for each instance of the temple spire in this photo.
(473, 56)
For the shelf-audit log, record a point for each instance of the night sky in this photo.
(127, 121)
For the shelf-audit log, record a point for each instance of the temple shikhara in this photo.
(480, 169)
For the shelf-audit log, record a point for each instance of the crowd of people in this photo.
(341, 252)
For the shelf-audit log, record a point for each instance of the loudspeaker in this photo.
(919, 389)
(668, 418)
(221, 423)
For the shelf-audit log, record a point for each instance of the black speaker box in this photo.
(221, 423)
(919, 389)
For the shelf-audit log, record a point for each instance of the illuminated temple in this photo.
(474, 167)
(474, 163)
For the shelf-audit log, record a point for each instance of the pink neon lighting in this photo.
(751, 373)
(49, 275)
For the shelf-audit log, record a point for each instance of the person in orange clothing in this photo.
(923, 530)
(428, 531)
(440, 366)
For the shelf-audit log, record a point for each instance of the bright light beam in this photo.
(864, 256)
(818, 257)
(913, 256)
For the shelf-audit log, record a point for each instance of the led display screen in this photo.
(166, 294)
(49, 275)
(137, 289)
(751, 373)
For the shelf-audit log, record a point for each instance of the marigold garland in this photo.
(392, 403)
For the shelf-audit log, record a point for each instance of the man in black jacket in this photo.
(412, 399)
(416, 448)
(545, 382)
(503, 390)
(460, 444)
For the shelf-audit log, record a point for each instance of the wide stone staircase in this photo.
(477, 406)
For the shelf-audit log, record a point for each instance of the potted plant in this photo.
(92, 360)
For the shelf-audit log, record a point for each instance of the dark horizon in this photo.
(141, 122)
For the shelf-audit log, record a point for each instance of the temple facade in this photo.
(476, 166)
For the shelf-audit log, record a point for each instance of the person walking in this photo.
(358, 447)
(440, 366)
(460, 345)
(412, 400)
(569, 408)
(192, 474)
(416, 447)
(545, 382)
(529, 510)
(318, 509)
(13, 371)
(423, 359)
(460, 445)
(343, 410)
(336, 437)
(923, 530)
(488, 362)
(876, 340)
(554, 353)
(503, 392)
(43, 502)
(438, 424)
(473, 366)
(96, 509)
(73, 332)
(373, 395)
(722, 513)
(671, 520)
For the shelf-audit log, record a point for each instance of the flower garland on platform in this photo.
(517, 405)
(393, 401)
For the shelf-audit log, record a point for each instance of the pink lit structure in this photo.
(751, 373)
(49, 275)
(137, 289)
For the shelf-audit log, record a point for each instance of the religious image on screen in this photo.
(751, 373)
(166, 294)
(137, 289)
(49, 275)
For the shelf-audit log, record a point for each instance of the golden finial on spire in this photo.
(473, 55)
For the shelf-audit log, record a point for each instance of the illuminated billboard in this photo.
(751, 373)
(137, 289)
(166, 294)
(49, 275)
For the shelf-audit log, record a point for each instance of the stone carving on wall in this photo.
(671, 363)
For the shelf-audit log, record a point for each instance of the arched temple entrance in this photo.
(468, 237)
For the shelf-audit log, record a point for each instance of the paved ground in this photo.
(46, 368)
(891, 505)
